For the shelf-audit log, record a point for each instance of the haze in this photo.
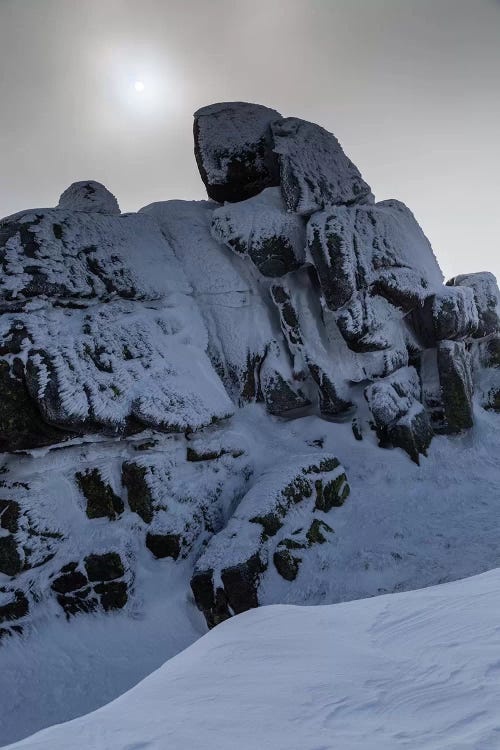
(410, 88)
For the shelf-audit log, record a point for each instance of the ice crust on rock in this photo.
(314, 170)
(276, 522)
(487, 298)
(262, 229)
(380, 247)
(167, 355)
(90, 196)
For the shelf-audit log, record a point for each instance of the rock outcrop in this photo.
(128, 341)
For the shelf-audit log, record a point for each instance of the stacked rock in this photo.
(298, 210)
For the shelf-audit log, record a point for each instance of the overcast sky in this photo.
(410, 87)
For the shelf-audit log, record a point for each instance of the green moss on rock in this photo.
(102, 502)
(331, 494)
(315, 533)
(140, 498)
(270, 523)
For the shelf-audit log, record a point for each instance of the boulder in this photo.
(261, 229)
(412, 432)
(234, 149)
(400, 419)
(448, 314)
(9, 515)
(314, 170)
(487, 298)
(309, 353)
(264, 527)
(377, 247)
(361, 324)
(113, 595)
(89, 196)
(237, 594)
(164, 545)
(13, 606)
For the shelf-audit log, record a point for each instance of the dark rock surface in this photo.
(234, 149)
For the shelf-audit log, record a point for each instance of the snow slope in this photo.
(414, 670)
(404, 526)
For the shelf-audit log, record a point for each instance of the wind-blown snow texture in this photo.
(271, 400)
(414, 670)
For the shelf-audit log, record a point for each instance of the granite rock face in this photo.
(130, 345)
(314, 170)
(89, 196)
(234, 149)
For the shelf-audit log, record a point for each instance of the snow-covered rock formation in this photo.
(131, 343)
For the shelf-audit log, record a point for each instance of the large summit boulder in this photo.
(315, 172)
(234, 151)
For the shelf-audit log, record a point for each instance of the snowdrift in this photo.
(419, 669)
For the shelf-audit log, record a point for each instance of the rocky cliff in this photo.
(132, 347)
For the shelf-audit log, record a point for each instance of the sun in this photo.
(139, 86)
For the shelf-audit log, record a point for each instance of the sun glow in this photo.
(139, 86)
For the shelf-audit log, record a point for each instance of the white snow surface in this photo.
(402, 527)
(413, 670)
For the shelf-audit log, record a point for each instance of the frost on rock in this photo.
(94, 335)
(76, 539)
(233, 149)
(487, 298)
(78, 256)
(261, 229)
(154, 366)
(400, 418)
(284, 514)
(241, 334)
(314, 170)
(115, 370)
(90, 196)
(379, 247)
(450, 313)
